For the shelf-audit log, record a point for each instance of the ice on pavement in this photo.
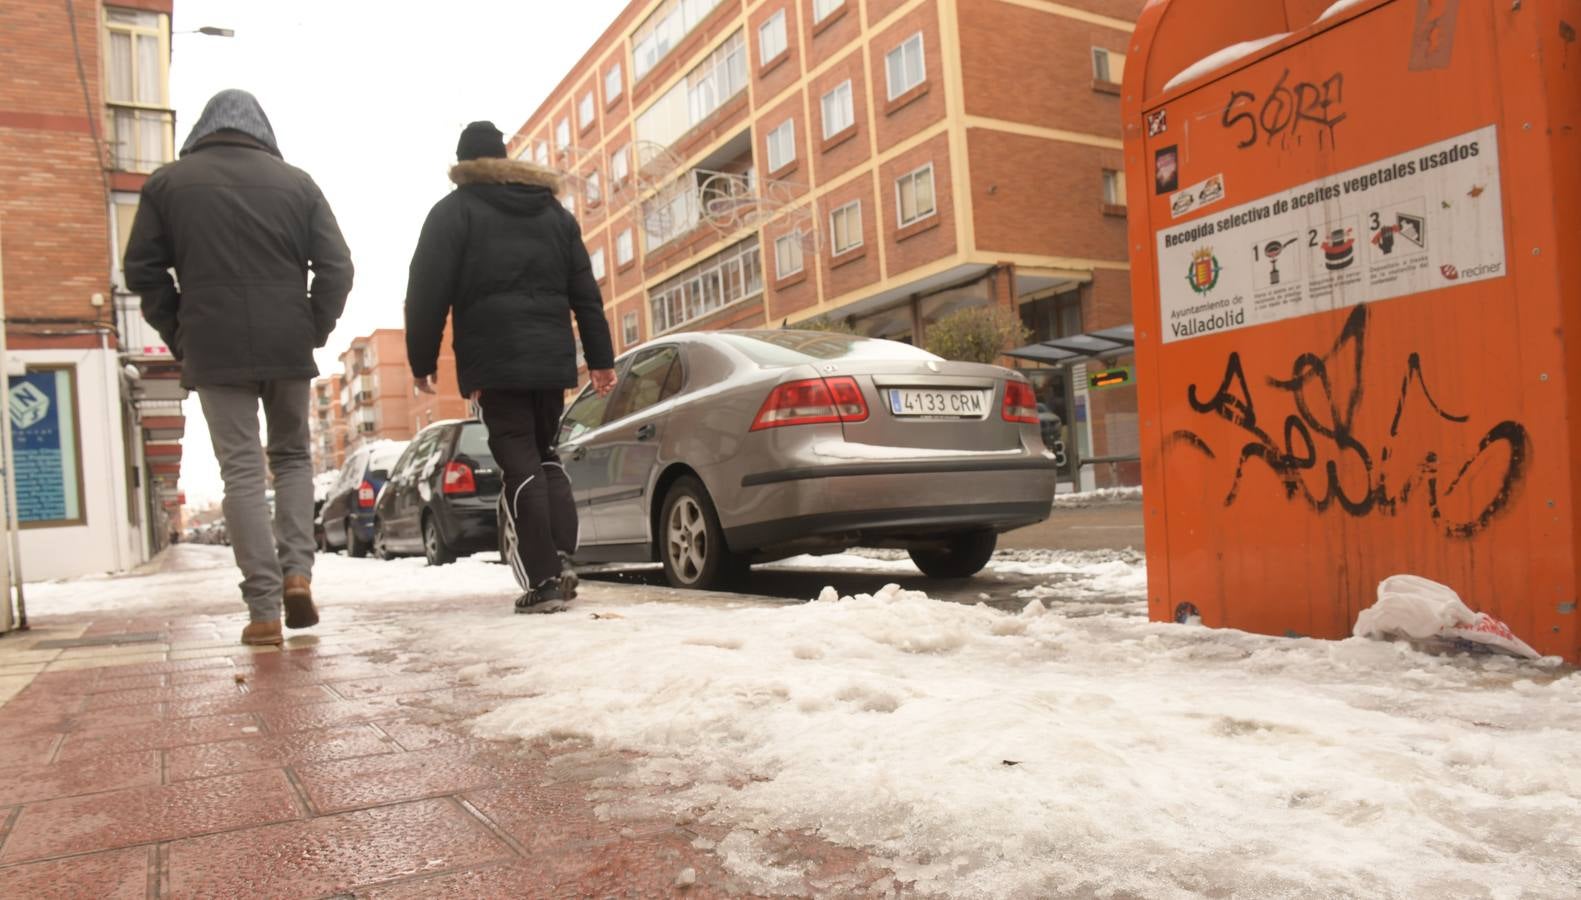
(1065, 749)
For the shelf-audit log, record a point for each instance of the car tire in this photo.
(962, 556)
(692, 543)
(354, 548)
(437, 552)
(381, 545)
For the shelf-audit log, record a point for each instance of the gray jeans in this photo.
(266, 551)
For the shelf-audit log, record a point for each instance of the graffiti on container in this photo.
(1285, 109)
(1319, 439)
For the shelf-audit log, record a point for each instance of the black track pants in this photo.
(539, 515)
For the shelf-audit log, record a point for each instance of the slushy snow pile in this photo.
(1070, 748)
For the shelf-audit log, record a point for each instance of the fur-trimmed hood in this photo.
(489, 170)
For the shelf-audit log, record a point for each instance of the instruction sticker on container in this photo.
(1425, 219)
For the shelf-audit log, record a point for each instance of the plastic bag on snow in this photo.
(1423, 610)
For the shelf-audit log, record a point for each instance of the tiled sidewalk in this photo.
(145, 757)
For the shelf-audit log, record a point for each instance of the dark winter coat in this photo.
(242, 229)
(507, 259)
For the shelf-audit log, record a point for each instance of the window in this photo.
(905, 67)
(914, 195)
(822, 8)
(1113, 187)
(730, 276)
(846, 225)
(653, 376)
(562, 134)
(838, 113)
(1107, 65)
(671, 214)
(620, 165)
(584, 111)
(630, 332)
(136, 89)
(624, 249)
(593, 189)
(787, 255)
(771, 38)
(659, 33)
(613, 83)
(717, 79)
(706, 88)
(540, 154)
(596, 258)
(782, 145)
(586, 413)
(569, 202)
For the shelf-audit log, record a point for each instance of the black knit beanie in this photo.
(480, 139)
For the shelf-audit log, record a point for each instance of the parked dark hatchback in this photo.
(440, 501)
(347, 514)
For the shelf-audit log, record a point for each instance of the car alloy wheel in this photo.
(686, 540)
(692, 545)
(434, 547)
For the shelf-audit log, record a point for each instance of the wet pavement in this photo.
(151, 756)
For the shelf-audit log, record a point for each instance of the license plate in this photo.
(922, 402)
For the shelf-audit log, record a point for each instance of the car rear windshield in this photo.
(795, 348)
(380, 460)
(475, 444)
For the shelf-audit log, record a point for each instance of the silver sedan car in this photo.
(721, 449)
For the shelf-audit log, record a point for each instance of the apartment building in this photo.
(330, 437)
(377, 399)
(95, 400)
(748, 163)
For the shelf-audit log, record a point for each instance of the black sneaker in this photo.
(549, 597)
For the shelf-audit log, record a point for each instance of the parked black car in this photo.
(441, 497)
(347, 514)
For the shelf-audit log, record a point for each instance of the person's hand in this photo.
(603, 380)
(425, 384)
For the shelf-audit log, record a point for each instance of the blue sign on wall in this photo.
(43, 415)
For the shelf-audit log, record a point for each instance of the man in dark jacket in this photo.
(242, 230)
(506, 261)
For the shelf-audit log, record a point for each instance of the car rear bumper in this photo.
(890, 500)
(470, 525)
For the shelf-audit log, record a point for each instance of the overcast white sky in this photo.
(369, 99)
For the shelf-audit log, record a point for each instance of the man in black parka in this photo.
(242, 230)
(506, 261)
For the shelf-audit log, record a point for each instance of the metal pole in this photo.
(13, 523)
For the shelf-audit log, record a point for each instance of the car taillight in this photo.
(811, 401)
(1021, 404)
(366, 496)
(459, 480)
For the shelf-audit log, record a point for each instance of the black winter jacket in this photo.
(507, 260)
(242, 229)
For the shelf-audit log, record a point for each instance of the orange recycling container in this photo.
(1355, 237)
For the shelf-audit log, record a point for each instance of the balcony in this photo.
(141, 138)
(138, 339)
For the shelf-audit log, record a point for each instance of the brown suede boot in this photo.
(299, 609)
(262, 633)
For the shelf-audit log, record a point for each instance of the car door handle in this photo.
(647, 432)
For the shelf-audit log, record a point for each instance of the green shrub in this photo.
(978, 334)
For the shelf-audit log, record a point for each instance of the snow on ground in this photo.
(1100, 495)
(1069, 749)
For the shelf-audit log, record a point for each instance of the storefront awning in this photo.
(1105, 344)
